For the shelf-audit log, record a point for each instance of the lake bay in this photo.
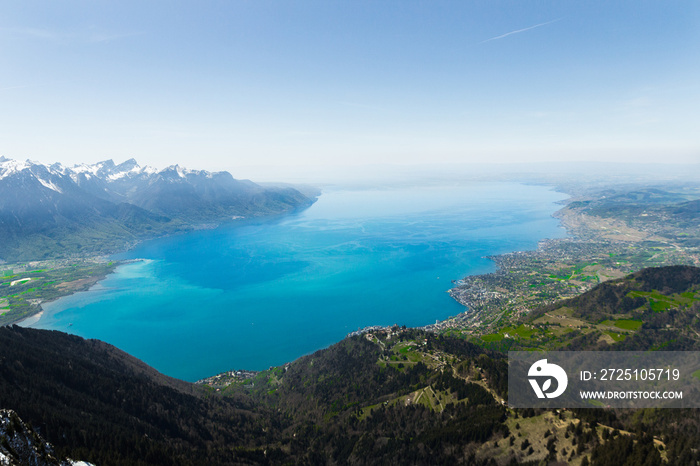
(260, 292)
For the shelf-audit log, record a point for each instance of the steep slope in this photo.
(43, 213)
(53, 211)
(99, 404)
(355, 403)
(176, 191)
(200, 195)
(20, 445)
(96, 403)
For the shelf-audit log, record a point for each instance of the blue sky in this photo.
(286, 87)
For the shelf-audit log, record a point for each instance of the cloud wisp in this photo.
(112, 37)
(32, 32)
(518, 31)
(92, 36)
(361, 105)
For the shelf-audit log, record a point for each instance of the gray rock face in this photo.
(21, 446)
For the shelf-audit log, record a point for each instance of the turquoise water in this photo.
(257, 293)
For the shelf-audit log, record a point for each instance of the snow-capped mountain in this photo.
(53, 209)
(104, 172)
(108, 170)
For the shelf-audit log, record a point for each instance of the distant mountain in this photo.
(50, 211)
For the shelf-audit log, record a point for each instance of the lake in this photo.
(261, 292)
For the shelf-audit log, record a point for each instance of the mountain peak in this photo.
(176, 170)
(9, 166)
(129, 167)
(131, 163)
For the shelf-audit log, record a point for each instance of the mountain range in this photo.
(49, 211)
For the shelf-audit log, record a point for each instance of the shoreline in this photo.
(68, 289)
(479, 298)
(543, 199)
(101, 257)
(34, 318)
(597, 248)
(473, 299)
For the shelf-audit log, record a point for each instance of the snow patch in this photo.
(148, 170)
(49, 185)
(87, 169)
(107, 171)
(135, 170)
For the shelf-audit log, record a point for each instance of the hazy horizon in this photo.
(390, 174)
(273, 90)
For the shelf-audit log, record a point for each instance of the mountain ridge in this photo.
(49, 211)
